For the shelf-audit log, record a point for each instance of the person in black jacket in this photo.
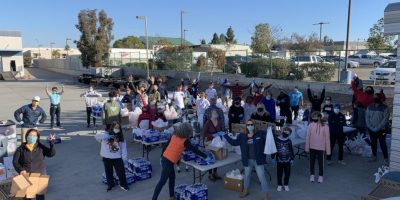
(336, 122)
(261, 114)
(128, 97)
(236, 112)
(315, 101)
(284, 158)
(328, 107)
(29, 157)
(283, 101)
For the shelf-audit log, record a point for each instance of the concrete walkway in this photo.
(76, 169)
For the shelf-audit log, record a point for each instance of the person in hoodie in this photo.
(111, 111)
(377, 119)
(328, 107)
(236, 113)
(114, 154)
(91, 96)
(336, 122)
(317, 143)
(284, 157)
(249, 108)
(366, 97)
(162, 89)
(283, 101)
(269, 104)
(29, 157)
(315, 101)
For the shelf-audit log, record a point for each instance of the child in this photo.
(284, 158)
(317, 142)
(336, 122)
(113, 151)
(307, 113)
(171, 155)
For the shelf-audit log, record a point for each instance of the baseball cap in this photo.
(36, 98)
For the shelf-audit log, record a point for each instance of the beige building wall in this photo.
(10, 43)
(45, 52)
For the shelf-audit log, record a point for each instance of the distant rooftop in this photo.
(173, 41)
(10, 33)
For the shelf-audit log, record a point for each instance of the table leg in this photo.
(194, 175)
(144, 146)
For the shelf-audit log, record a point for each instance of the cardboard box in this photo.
(219, 153)
(233, 184)
(29, 186)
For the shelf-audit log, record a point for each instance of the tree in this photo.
(67, 47)
(215, 39)
(94, 42)
(222, 38)
(174, 57)
(56, 53)
(201, 62)
(377, 41)
(261, 38)
(217, 58)
(27, 61)
(203, 41)
(230, 36)
(304, 44)
(129, 42)
(164, 42)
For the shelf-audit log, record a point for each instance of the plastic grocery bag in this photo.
(270, 147)
(144, 124)
(170, 113)
(124, 112)
(217, 142)
(134, 116)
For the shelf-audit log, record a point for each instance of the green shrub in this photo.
(319, 71)
(261, 67)
(136, 64)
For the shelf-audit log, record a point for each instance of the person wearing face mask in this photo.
(236, 113)
(307, 113)
(91, 96)
(202, 104)
(296, 101)
(142, 100)
(128, 97)
(261, 114)
(284, 157)
(111, 111)
(269, 104)
(211, 92)
(249, 108)
(283, 101)
(328, 107)
(252, 144)
(377, 121)
(154, 95)
(32, 116)
(317, 143)
(212, 126)
(29, 157)
(237, 90)
(114, 154)
(178, 98)
(315, 101)
(225, 92)
(336, 122)
(366, 97)
(194, 87)
(213, 106)
(162, 89)
(55, 107)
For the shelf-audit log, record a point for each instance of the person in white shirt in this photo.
(178, 98)
(114, 153)
(249, 108)
(91, 97)
(202, 104)
(211, 92)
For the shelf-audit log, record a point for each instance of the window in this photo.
(364, 56)
(319, 59)
(391, 64)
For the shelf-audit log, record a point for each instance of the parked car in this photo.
(385, 72)
(306, 59)
(340, 62)
(368, 60)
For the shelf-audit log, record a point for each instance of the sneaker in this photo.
(286, 188)
(342, 162)
(320, 179)
(126, 188)
(373, 159)
(329, 162)
(312, 178)
(109, 188)
(279, 188)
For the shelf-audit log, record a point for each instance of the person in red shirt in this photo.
(145, 116)
(366, 97)
(237, 90)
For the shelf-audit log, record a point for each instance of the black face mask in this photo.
(377, 100)
(260, 109)
(237, 84)
(369, 91)
(315, 97)
(315, 120)
(285, 135)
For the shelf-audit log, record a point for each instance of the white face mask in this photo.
(250, 128)
(116, 130)
(268, 97)
(336, 110)
(90, 89)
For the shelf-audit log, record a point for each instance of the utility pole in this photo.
(147, 42)
(320, 29)
(182, 32)
(347, 36)
(184, 36)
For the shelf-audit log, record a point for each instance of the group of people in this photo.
(216, 112)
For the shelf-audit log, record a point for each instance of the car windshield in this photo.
(391, 64)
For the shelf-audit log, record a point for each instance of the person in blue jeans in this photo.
(55, 107)
(252, 145)
(296, 101)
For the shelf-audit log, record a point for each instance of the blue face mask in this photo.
(31, 139)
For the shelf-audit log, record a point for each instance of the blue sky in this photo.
(45, 21)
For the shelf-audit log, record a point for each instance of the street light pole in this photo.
(147, 41)
(51, 49)
(320, 29)
(182, 31)
(184, 35)
(347, 36)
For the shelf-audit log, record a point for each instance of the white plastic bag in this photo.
(144, 124)
(217, 142)
(270, 147)
(124, 112)
(134, 116)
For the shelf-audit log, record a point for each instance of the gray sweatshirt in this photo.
(377, 117)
